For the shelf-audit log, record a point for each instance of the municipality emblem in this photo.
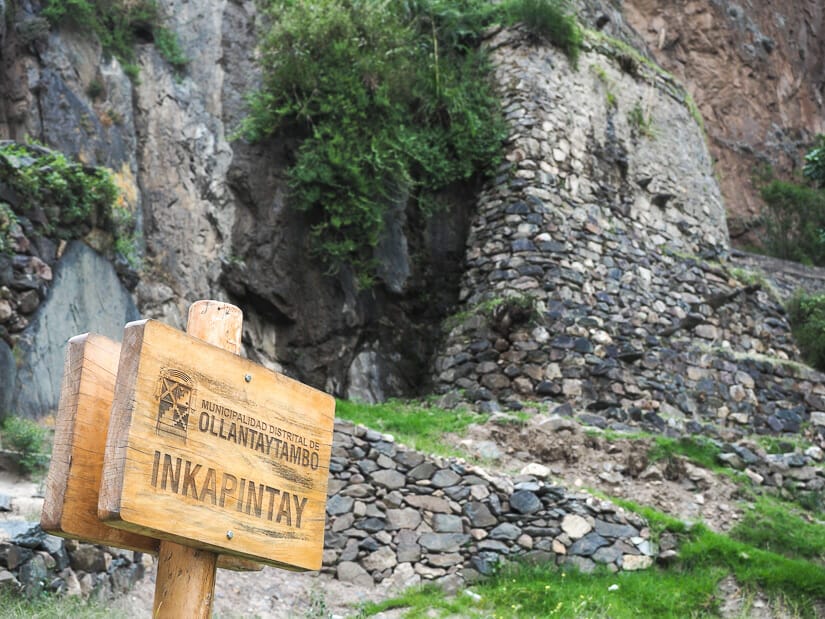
(174, 393)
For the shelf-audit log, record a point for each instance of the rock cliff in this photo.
(606, 212)
(757, 72)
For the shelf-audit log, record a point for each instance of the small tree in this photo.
(814, 169)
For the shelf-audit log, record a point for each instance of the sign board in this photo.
(73, 482)
(210, 450)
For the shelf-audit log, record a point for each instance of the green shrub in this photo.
(7, 221)
(117, 26)
(794, 220)
(169, 48)
(641, 122)
(807, 317)
(63, 198)
(550, 20)
(392, 101)
(28, 439)
(95, 89)
(70, 195)
(814, 169)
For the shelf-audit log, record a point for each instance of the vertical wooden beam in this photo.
(185, 583)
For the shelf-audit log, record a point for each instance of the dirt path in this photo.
(268, 594)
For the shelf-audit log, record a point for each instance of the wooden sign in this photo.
(73, 481)
(213, 451)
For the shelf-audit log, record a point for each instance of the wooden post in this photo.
(185, 582)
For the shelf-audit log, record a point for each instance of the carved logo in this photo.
(174, 393)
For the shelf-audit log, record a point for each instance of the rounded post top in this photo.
(216, 322)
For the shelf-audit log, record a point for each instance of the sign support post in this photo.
(185, 579)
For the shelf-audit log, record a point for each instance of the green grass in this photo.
(689, 588)
(418, 426)
(47, 606)
(778, 527)
(698, 450)
(542, 591)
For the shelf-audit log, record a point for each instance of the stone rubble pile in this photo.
(32, 562)
(399, 516)
(597, 273)
(799, 471)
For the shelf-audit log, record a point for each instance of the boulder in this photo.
(86, 295)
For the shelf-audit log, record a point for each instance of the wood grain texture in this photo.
(185, 583)
(216, 323)
(73, 482)
(245, 475)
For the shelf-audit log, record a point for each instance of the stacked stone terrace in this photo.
(401, 518)
(597, 273)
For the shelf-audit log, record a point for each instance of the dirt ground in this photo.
(575, 458)
(617, 468)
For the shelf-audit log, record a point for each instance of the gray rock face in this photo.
(86, 296)
(8, 370)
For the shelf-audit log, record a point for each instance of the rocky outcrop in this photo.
(398, 517)
(33, 562)
(786, 277)
(757, 72)
(86, 295)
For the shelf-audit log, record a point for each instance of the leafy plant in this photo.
(641, 122)
(28, 439)
(806, 313)
(814, 169)
(169, 48)
(550, 20)
(391, 99)
(95, 89)
(69, 193)
(62, 198)
(118, 25)
(794, 219)
(392, 102)
(7, 221)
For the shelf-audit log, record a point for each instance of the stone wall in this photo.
(400, 518)
(597, 273)
(33, 562)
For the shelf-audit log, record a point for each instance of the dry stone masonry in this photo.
(33, 562)
(597, 274)
(398, 517)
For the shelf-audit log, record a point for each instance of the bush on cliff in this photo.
(814, 169)
(392, 102)
(118, 25)
(60, 198)
(794, 222)
(807, 317)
